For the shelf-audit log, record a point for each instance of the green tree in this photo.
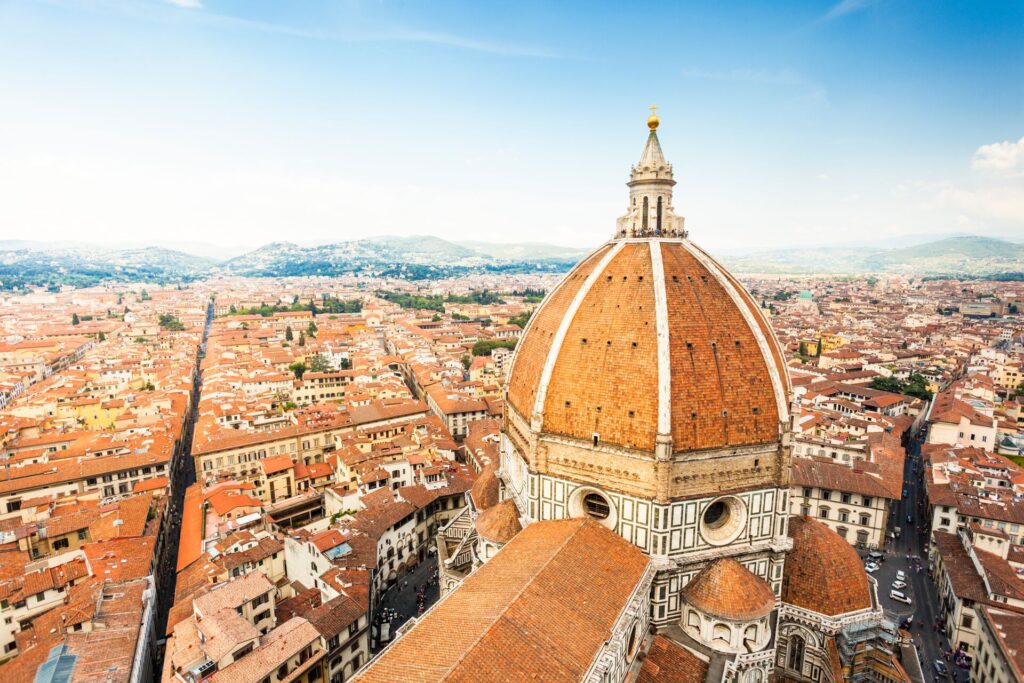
(101, 337)
(318, 363)
(288, 334)
(436, 318)
(346, 364)
(232, 310)
(890, 384)
(145, 296)
(311, 329)
(299, 368)
(916, 385)
(466, 362)
(521, 319)
(485, 346)
(170, 322)
(74, 319)
(302, 338)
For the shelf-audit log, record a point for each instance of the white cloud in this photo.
(988, 201)
(787, 78)
(187, 4)
(1002, 205)
(1001, 158)
(844, 7)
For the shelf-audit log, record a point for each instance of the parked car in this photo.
(899, 585)
(900, 576)
(910, 519)
(876, 556)
(871, 567)
(899, 597)
(941, 668)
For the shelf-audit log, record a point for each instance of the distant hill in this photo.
(87, 266)
(415, 257)
(25, 262)
(954, 256)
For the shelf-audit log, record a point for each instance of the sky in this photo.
(241, 122)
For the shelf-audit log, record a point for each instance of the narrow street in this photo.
(909, 514)
(401, 599)
(182, 476)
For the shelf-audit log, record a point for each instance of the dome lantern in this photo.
(650, 212)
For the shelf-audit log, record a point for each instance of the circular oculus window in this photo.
(589, 502)
(723, 520)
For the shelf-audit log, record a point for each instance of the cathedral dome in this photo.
(499, 523)
(650, 337)
(727, 590)
(823, 571)
(485, 490)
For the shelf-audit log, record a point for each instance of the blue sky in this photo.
(243, 122)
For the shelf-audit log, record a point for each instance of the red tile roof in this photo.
(542, 607)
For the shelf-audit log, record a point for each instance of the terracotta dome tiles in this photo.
(532, 350)
(728, 590)
(823, 572)
(606, 376)
(485, 490)
(724, 388)
(499, 523)
(721, 387)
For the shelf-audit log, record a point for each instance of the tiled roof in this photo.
(276, 648)
(542, 607)
(669, 662)
(959, 567)
(727, 589)
(277, 463)
(335, 615)
(823, 572)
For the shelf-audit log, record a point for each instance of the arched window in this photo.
(795, 656)
(750, 634)
(721, 632)
(659, 214)
(693, 620)
(632, 642)
(647, 209)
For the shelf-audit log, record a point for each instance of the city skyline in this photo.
(240, 124)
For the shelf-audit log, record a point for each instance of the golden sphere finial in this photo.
(653, 120)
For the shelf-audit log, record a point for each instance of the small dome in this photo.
(727, 590)
(485, 489)
(823, 572)
(499, 523)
